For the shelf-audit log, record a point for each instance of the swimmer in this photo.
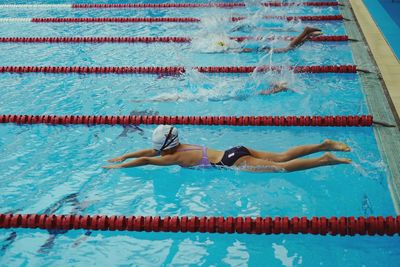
(307, 33)
(221, 43)
(167, 150)
(250, 28)
(223, 46)
(275, 88)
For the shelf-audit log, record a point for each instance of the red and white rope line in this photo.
(150, 39)
(176, 70)
(159, 19)
(342, 226)
(165, 5)
(323, 121)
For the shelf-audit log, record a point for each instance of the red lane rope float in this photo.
(167, 39)
(304, 18)
(195, 5)
(338, 121)
(329, 38)
(165, 5)
(175, 70)
(119, 20)
(174, 19)
(320, 4)
(344, 226)
(295, 69)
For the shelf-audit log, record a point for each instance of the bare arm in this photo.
(136, 154)
(159, 161)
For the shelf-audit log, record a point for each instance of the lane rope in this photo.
(169, 5)
(166, 39)
(343, 226)
(338, 121)
(176, 70)
(35, 6)
(160, 19)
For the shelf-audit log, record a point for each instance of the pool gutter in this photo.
(379, 87)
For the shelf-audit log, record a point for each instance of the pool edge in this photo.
(378, 93)
(384, 56)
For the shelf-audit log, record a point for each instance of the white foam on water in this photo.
(281, 253)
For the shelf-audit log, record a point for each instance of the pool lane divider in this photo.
(343, 226)
(166, 39)
(176, 70)
(333, 121)
(161, 19)
(170, 5)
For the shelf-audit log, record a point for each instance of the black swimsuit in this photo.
(232, 155)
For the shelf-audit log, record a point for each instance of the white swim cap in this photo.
(165, 137)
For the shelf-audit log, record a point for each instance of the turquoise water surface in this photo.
(56, 169)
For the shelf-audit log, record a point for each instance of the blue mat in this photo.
(387, 16)
(393, 9)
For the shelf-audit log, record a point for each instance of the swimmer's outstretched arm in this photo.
(136, 154)
(298, 40)
(142, 161)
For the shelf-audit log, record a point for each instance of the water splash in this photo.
(214, 43)
(213, 90)
(366, 166)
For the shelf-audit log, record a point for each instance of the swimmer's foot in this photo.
(246, 50)
(329, 159)
(330, 145)
(116, 166)
(310, 30)
(282, 84)
(315, 34)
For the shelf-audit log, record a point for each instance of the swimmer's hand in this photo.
(117, 159)
(116, 166)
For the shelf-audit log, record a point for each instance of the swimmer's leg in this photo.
(300, 151)
(252, 164)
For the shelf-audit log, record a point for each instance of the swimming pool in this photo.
(55, 169)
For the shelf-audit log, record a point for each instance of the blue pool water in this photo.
(56, 169)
